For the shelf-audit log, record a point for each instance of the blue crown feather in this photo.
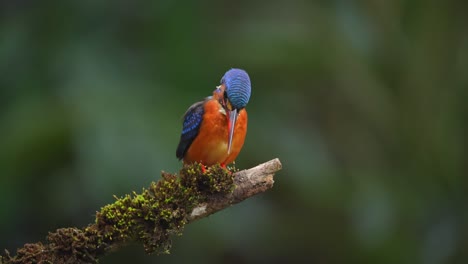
(238, 88)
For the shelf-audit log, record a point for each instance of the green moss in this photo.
(150, 217)
(162, 209)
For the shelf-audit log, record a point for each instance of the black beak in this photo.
(231, 125)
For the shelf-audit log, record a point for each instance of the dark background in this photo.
(364, 102)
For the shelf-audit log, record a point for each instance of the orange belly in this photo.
(211, 144)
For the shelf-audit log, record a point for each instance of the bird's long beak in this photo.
(231, 125)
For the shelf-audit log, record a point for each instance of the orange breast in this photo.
(211, 144)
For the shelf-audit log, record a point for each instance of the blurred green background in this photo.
(363, 102)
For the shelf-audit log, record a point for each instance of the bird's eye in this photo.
(224, 102)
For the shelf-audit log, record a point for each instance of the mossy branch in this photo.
(151, 216)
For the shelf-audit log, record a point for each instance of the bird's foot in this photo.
(224, 166)
(203, 168)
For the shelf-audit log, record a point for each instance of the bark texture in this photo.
(152, 216)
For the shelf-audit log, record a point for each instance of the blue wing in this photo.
(192, 121)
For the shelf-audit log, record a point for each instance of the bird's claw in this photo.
(203, 168)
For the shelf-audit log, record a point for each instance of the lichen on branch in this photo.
(162, 209)
(149, 217)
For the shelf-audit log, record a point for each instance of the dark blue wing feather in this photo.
(192, 121)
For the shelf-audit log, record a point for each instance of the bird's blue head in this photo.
(238, 88)
(234, 98)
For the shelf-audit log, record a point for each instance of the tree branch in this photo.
(247, 183)
(152, 216)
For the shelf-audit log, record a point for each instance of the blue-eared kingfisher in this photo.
(214, 129)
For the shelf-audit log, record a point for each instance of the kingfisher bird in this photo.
(214, 129)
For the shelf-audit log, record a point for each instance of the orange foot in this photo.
(203, 168)
(223, 165)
